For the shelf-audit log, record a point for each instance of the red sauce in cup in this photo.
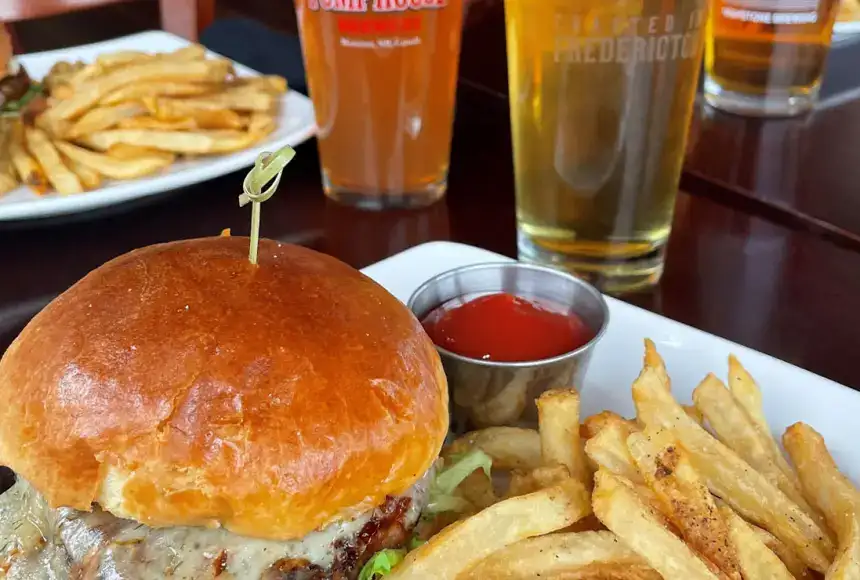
(506, 328)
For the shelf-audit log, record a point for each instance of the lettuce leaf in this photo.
(449, 477)
(381, 564)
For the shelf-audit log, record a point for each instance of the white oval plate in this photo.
(296, 124)
(790, 393)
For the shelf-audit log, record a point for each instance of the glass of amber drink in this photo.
(766, 57)
(601, 93)
(382, 75)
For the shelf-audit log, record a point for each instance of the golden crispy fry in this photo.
(577, 555)
(237, 100)
(111, 166)
(40, 146)
(729, 477)
(523, 482)
(592, 425)
(122, 57)
(621, 510)
(186, 53)
(261, 124)
(478, 490)
(694, 414)
(509, 447)
(465, 543)
(558, 419)
(104, 118)
(685, 499)
(145, 122)
(748, 396)
(188, 142)
(8, 174)
(90, 178)
(89, 93)
(654, 360)
(123, 151)
(29, 171)
(138, 91)
(824, 485)
(62, 91)
(757, 561)
(734, 427)
(608, 449)
(269, 83)
(846, 566)
(791, 560)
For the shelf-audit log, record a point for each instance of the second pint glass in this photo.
(601, 93)
(382, 75)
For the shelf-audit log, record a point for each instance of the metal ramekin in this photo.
(489, 393)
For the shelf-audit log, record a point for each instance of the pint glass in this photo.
(766, 57)
(601, 93)
(382, 75)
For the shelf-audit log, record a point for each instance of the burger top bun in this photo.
(181, 385)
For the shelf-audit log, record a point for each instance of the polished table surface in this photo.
(769, 274)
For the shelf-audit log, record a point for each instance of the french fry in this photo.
(89, 93)
(694, 414)
(831, 492)
(122, 57)
(593, 424)
(734, 427)
(653, 359)
(686, 500)
(60, 176)
(617, 505)
(558, 419)
(608, 449)
(478, 490)
(270, 83)
(8, 174)
(104, 118)
(261, 124)
(146, 122)
(236, 100)
(465, 543)
(509, 447)
(791, 560)
(128, 152)
(756, 560)
(29, 171)
(825, 486)
(90, 178)
(523, 482)
(729, 477)
(186, 142)
(111, 166)
(748, 396)
(577, 555)
(137, 91)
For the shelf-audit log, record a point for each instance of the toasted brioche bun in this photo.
(181, 385)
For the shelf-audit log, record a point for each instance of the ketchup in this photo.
(505, 328)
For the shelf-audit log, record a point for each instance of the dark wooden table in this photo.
(765, 248)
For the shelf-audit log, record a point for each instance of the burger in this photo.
(183, 413)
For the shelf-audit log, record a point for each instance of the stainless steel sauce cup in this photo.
(490, 393)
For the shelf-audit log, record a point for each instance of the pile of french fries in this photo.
(130, 114)
(683, 493)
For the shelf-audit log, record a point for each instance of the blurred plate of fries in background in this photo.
(138, 116)
(694, 458)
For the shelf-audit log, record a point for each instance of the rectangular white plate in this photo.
(790, 394)
(296, 124)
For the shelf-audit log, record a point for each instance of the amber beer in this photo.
(382, 76)
(766, 57)
(601, 93)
